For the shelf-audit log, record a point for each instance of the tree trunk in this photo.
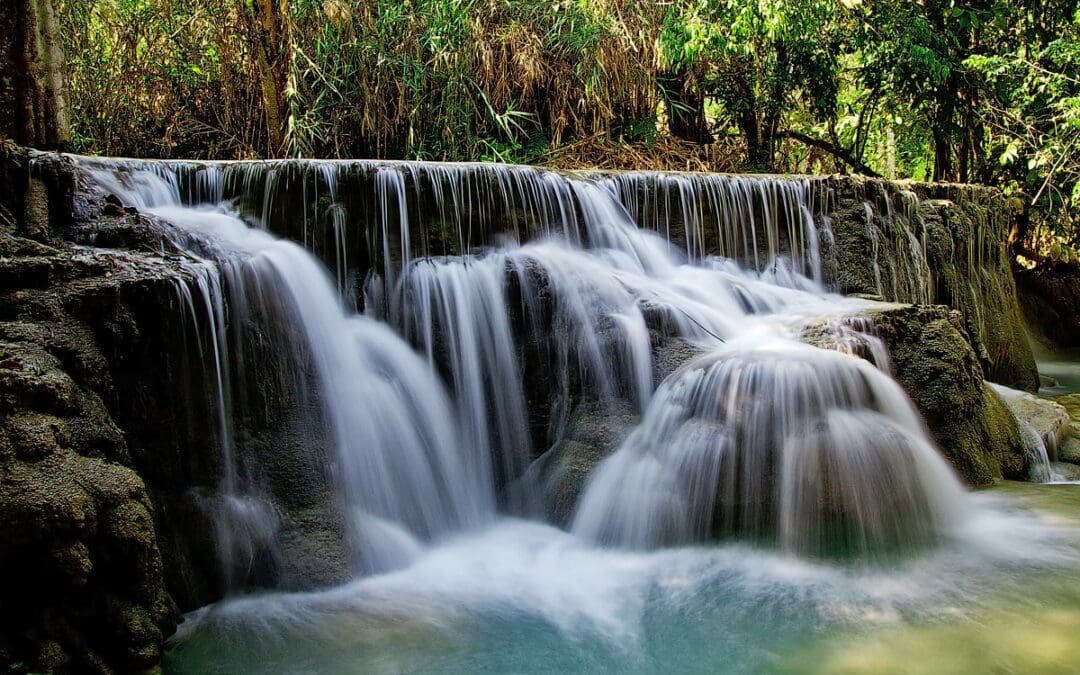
(33, 111)
(943, 154)
(759, 145)
(268, 36)
(685, 108)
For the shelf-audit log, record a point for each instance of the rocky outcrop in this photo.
(1050, 300)
(933, 359)
(109, 389)
(933, 244)
(85, 585)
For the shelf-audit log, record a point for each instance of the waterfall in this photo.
(771, 439)
(396, 457)
(471, 307)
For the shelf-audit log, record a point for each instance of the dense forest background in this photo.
(977, 91)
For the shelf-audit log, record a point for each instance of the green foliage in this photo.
(1032, 113)
(935, 89)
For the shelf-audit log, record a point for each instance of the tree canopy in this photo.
(957, 90)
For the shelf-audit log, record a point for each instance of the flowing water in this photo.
(439, 364)
(1063, 369)
(527, 598)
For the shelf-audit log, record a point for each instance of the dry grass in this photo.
(663, 154)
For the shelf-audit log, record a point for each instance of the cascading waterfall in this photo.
(399, 468)
(435, 340)
(1038, 449)
(762, 437)
(771, 439)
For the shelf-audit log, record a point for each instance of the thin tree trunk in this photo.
(943, 154)
(890, 151)
(267, 24)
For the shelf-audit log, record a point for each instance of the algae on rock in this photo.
(933, 360)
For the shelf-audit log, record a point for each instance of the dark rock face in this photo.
(85, 588)
(1050, 300)
(933, 360)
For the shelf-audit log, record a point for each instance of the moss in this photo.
(1001, 436)
(935, 364)
(959, 260)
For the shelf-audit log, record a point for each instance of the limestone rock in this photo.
(1048, 419)
(933, 360)
(961, 263)
(1069, 450)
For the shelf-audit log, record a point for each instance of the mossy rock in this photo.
(593, 433)
(933, 360)
(962, 261)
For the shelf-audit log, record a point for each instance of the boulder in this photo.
(594, 432)
(1068, 449)
(933, 360)
(1050, 421)
(80, 538)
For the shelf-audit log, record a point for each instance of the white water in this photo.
(764, 437)
(398, 464)
(797, 451)
(769, 436)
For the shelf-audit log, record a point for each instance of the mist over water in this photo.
(770, 491)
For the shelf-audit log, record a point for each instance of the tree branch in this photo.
(834, 150)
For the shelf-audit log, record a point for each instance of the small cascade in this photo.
(898, 247)
(743, 218)
(1042, 425)
(1041, 469)
(773, 440)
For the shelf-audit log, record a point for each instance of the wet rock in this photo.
(1050, 299)
(313, 549)
(933, 360)
(1048, 419)
(958, 259)
(1069, 450)
(1066, 471)
(594, 432)
(79, 532)
(669, 354)
(1071, 403)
